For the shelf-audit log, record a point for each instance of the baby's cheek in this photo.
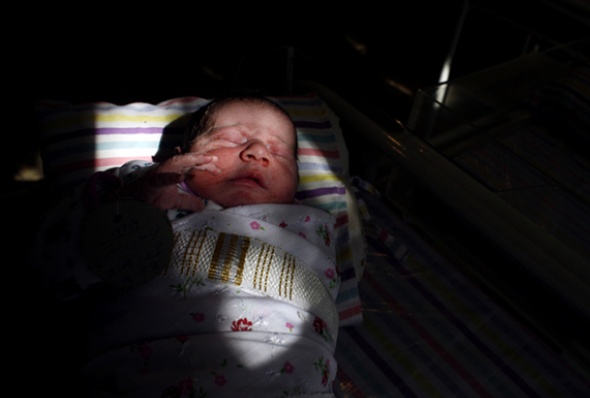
(198, 180)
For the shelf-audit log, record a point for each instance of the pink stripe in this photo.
(341, 220)
(350, 312)
(319, 152)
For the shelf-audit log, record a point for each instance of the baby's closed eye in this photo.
(232, 141)
(281, 152)
(238, 140)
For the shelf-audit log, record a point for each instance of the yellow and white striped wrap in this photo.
(252, 265)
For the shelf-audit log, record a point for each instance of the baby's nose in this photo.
(255, 151)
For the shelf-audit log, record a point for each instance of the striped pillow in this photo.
(78, 140)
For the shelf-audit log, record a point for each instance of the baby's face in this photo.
(255, 146)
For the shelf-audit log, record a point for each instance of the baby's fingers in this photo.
(210, 167)
(182, 163)
(200, 162)
(197, 160)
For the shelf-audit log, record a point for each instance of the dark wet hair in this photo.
(202, 120)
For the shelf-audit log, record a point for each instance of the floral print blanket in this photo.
(244, 307)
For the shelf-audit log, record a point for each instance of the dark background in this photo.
(377, 57)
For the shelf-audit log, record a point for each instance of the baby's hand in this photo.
(190, 161)
(159, 186)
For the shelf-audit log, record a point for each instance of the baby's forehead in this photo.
(231, 106)
(251, 113)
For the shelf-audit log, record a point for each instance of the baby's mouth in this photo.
(250, 180)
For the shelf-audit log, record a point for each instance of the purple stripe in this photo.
(346, 274)
(320, 191)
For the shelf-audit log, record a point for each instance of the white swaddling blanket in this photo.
(245, 307)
